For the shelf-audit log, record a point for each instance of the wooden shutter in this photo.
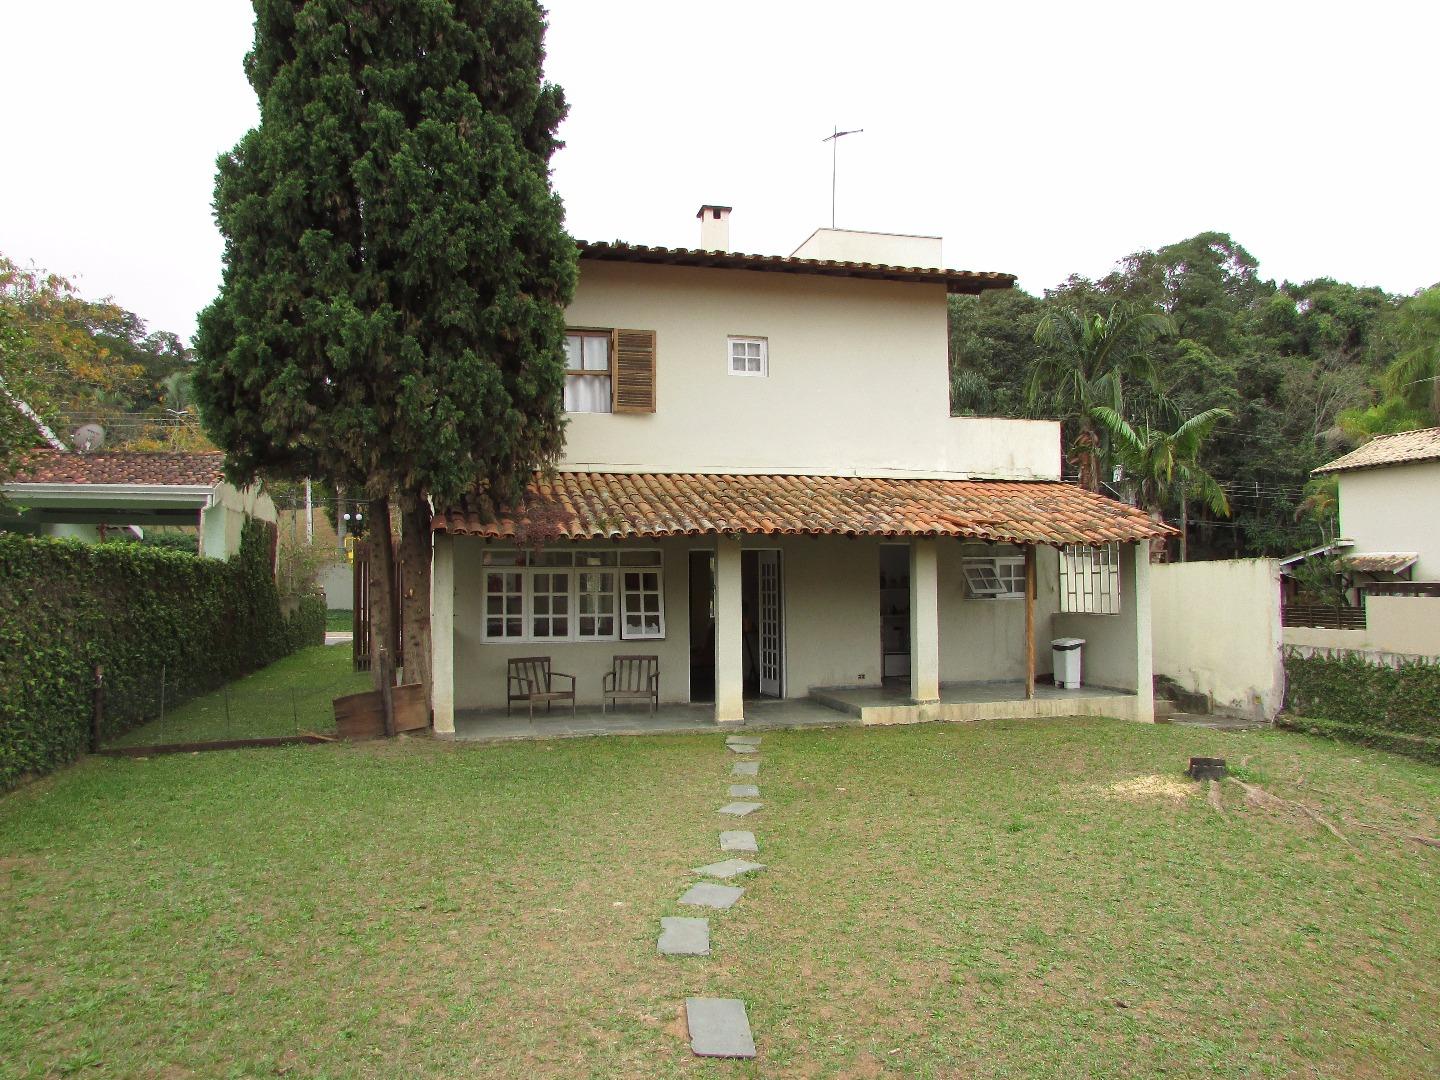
(633, 384)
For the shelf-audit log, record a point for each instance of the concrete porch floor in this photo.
(961, 702)
(760, 714)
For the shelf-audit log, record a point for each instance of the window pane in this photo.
(574, 352)
(495, 605)
(553, 558)
(597, 354)
(587, 393)
(502, 558)
(494, 627)
(607, 626)
(595, 558)
(513, 628)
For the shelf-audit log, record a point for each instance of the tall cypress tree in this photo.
(391, 317)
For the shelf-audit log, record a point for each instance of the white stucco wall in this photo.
(983, 640)
(1117, 649)
(1394, 508)
(1409, 625)
(222, 521)
(858, 380)
(1216, 630)
(857, 245)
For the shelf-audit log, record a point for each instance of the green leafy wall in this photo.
(1392, 708)
(138, 611)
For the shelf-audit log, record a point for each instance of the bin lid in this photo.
(1065, 644)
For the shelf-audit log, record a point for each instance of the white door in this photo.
(772, 638)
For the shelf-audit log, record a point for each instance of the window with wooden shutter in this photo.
(634, 371)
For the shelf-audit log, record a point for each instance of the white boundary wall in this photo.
(1409, 625)
(1216, 630)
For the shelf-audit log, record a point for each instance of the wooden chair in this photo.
(529, 679)
(632, 678)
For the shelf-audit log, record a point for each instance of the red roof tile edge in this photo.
(203, 469)
(577, 506)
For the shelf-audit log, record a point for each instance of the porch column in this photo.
(924, 621)
(729, 644)
(442, 634)
(1144, 646)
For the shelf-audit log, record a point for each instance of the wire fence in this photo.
(260, 709)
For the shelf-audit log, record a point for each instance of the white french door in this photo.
(772, 636)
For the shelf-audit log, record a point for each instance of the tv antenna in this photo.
(834, 140)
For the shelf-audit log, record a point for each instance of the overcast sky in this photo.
(1038, 139)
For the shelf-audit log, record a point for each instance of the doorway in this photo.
(762, 624)
(894, 613)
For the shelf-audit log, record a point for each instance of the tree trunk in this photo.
(415, 561)
(383, 606)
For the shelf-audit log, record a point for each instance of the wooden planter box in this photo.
(362, 716)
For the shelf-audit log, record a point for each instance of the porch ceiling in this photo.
(596, 506)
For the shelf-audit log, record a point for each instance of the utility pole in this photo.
(834, 140)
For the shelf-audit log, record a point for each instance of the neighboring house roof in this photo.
(955, 281)
(594, 506)
(1382, 562)
(1398, 449)
(1320, 549)
(122, 467)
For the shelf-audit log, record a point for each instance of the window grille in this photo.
(1090, 579)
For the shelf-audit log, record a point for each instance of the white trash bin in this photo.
(1066, 653)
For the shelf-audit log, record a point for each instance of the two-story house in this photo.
(763, 487)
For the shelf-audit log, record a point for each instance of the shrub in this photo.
(1394, 707)
(138, 612)
(305, 626)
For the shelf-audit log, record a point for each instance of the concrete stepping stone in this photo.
(742, 740)
(742, 748)
(708, 894)
(739, 809)
(741, 791)
(745, 768)
(719, 1028)
(738, 841)
(729, 868)
(680, 936)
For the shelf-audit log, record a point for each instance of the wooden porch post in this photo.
(1029, 621)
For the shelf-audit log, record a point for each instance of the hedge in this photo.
(1415, 746)
(1397, 708)
(139, 611)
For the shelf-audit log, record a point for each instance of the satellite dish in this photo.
(88, 437)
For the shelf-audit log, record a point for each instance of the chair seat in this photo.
(639, 695)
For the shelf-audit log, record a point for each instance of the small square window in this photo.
(749, 356)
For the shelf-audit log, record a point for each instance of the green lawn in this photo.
(290, 697)
(1033, 898)
(340, 619)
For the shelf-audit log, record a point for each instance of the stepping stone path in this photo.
(719, 1028)
(739, 809)
(680, 936)
(729, 868)
(708, 894)
(738, 841)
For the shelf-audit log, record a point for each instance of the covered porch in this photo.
(770, 599)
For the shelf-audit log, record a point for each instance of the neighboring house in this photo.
(763, 486)
(1389, 493)
(58, 493)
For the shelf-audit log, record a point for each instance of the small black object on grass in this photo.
(1207, 768)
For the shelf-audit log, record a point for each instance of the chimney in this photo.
(714, 228)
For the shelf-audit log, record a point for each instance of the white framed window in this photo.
(1090, 579)
(749, 356)
(998, 578)
(579, 595)
(588, 378)
(642, 608)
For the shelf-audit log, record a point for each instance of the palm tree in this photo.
(1086, 361)
(1414, 377)
(1164, 466)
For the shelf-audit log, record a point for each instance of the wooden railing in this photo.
(1324, 617)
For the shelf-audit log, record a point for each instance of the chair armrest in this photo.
(561, 675)
(654, 678)
(607, 683)
(526, 686)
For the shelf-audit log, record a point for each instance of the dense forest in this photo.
(1303, 372)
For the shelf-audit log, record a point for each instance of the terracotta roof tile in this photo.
(955, 281)
(591, 506)
(1382, 562)
(121, 467)
(1406, 446)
